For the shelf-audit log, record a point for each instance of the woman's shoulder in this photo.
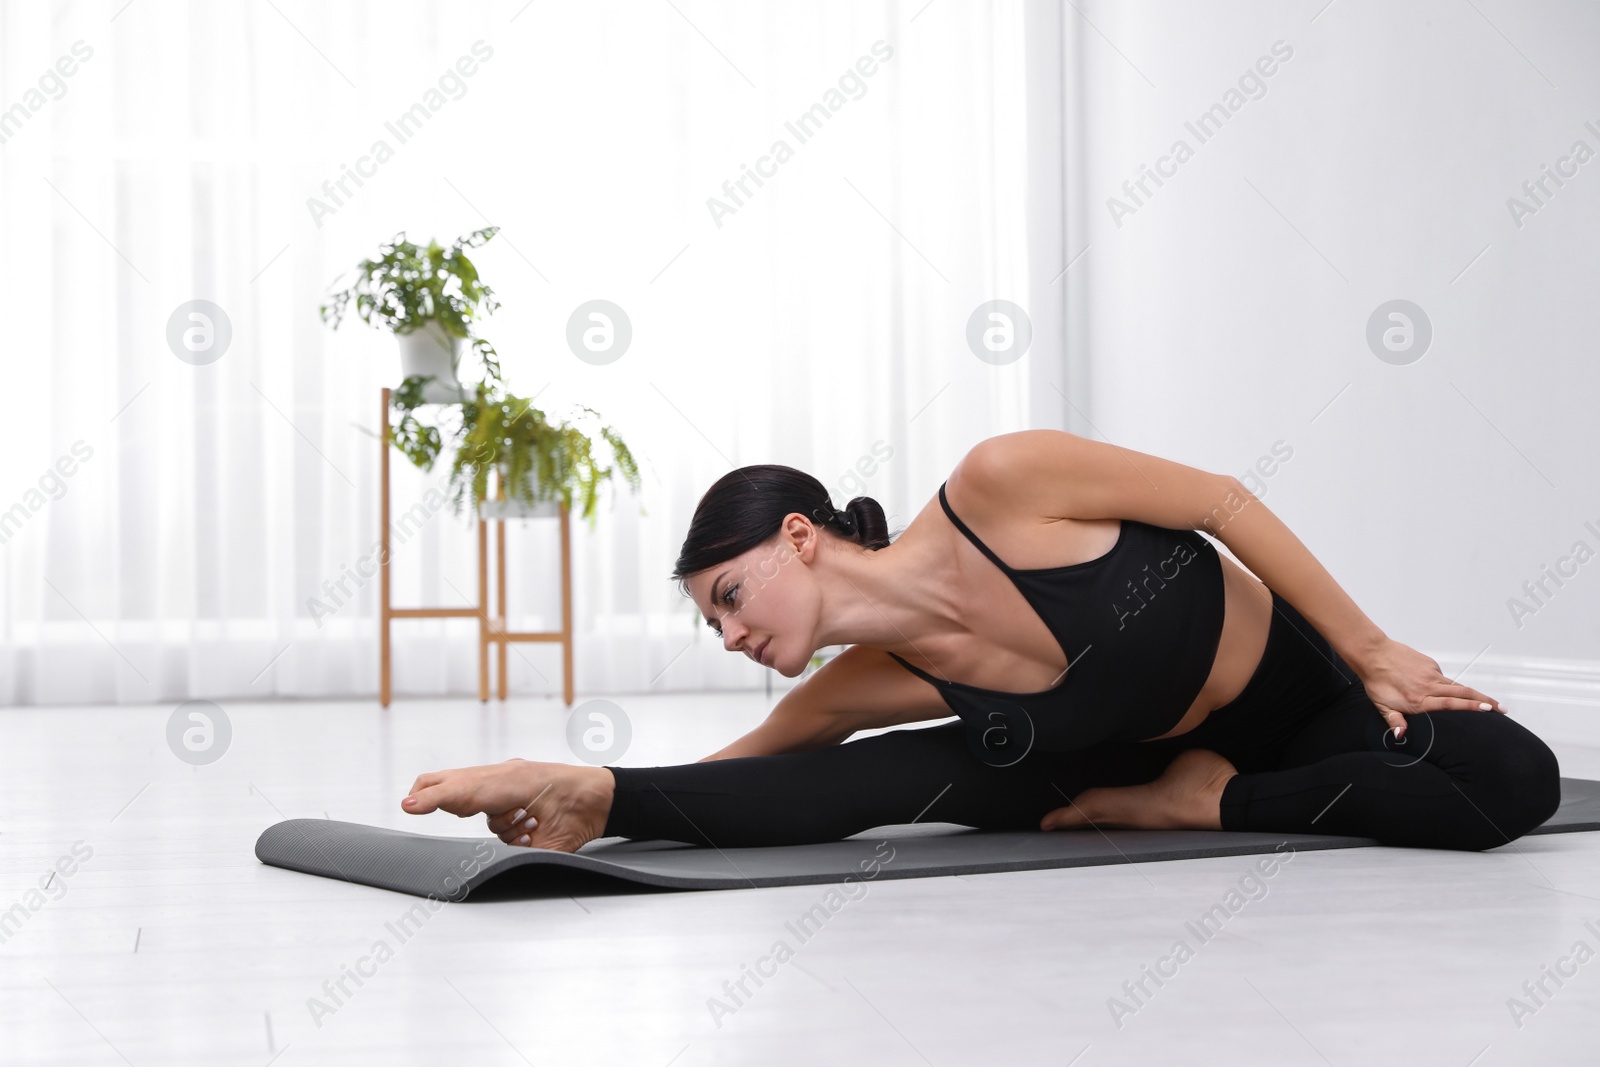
(1002, 476)
(1057, 476)
(1001, 491)
(1004, 464)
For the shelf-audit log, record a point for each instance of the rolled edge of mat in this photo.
(422, 865)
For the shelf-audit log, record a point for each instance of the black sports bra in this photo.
(1140, 627)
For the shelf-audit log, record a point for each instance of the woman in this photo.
(1108, 666)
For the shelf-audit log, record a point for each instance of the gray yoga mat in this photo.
(451, 868)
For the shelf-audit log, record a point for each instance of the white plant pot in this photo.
(430, 350)
(516, 509)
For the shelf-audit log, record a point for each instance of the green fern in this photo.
(534, 459)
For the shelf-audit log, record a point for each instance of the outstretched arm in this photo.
(1079, 478)
(793, 725)
(1398, 679)
(862, 688)
(1282, 561)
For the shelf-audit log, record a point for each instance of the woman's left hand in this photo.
(493, 789)
(1399, 679)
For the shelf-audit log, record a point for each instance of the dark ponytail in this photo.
(745, 508)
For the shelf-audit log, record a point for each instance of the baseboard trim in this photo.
(1561, 681)
(1555, 698)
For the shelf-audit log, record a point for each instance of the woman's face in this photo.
(765, 602)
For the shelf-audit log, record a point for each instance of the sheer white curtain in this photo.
(166, 524)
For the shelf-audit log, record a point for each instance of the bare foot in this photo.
(1187, 796)
(541, 805)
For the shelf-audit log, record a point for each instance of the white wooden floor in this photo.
(170, 944)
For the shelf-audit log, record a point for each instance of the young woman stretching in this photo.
(1108, 666)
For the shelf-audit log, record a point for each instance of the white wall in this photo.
(1228, 312)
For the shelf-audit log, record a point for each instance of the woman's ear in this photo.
(801, 536)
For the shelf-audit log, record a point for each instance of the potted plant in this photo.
(429, 298)
(536, 461)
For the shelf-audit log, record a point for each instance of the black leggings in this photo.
(1313, 755)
